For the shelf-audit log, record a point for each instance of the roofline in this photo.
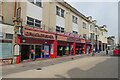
(74, 10)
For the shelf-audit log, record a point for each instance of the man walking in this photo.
(106, 51)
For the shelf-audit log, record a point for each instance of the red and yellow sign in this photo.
(38, 34)
(61, 38)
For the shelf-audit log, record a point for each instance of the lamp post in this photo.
(92, 36)
(17, 25)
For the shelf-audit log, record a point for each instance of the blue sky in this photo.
(104, 12)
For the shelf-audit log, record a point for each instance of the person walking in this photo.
(106, 51)
(93, 53)
(32, 55)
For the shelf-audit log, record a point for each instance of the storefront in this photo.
(63, 47)
(88, 46)
(100, 46)
(36, 44)
(6, 56)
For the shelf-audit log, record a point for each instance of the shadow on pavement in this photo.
(107, 69)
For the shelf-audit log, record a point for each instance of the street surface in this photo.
(99, 66)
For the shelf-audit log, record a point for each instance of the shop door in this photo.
(46, 51)
(38, 51)
(25, 52)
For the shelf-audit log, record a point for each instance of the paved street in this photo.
(99, 66)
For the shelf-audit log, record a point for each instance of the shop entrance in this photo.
(63, 50)
(25, 52)
(38, 49)
(79, 49)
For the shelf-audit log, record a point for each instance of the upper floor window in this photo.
(75, 32)
(91, 36)
(90, 27)
(84, 25)
(36, 2)
(59, 29)
(74, 19)
(1, 35)
(84, 36)
(96, 30)
(33, 22)
(59, 11)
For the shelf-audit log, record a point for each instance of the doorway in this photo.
(25, 52)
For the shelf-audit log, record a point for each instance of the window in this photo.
(33, 22)
(60, 12)
(90, 27)
(36, 2)
(39, 3)
(59, 29)
(32, 1)
(37, 23)
(1, 35)
(9, 36)
(30, 21)
(74, 19)
(75, 32)
(84, 36)
(62, 30)
(91, 36)
(84, 25)
(57, 11)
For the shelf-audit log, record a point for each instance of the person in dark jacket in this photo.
(106, 51)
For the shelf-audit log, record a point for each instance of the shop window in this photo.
(74, 19)
(9, 36)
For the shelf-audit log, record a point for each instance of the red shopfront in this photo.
(65, 46)
(81, 46)
(41, 42)
(88, 46)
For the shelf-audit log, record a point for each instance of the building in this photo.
(6, 36)
(48, 29)
(111, 43)
(104, 37)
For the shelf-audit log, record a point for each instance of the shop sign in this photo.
(6, 61)
(37, 34)
(61, 38)
(82, 41)
(73, 39)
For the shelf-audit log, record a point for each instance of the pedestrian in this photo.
(93, 53)
(32, 54)
(106, 51)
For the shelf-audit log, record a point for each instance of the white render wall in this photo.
(34, 11)
(60, 21)
(75, 27)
